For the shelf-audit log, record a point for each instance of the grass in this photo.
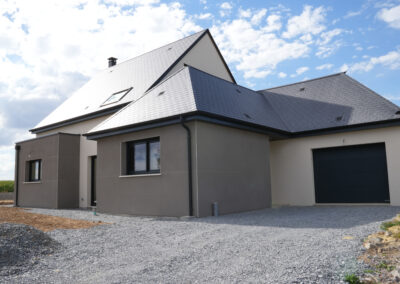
(6, 185)
(387, 225)
(384, 265)
(352, 279)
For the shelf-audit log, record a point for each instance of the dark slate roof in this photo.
(191, 90)
(326, 102)
(140, 73)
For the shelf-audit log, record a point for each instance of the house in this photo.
(170, 133)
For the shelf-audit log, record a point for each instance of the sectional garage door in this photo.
(351, 174)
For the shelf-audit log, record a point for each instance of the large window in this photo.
(143, 157)
(35, 170)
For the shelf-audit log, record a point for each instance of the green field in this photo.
(6, 185)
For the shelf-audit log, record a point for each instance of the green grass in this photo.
(387, 225)
(6, 185)
(384, 265)
(352, 279)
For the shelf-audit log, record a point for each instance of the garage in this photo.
(351, 174)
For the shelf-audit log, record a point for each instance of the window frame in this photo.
(30, 172)
(127, 91)
(130, 156)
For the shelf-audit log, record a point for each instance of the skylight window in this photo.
(116, 97)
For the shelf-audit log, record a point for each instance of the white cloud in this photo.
(309, 22)
(326, 66)
(255, 51)
(326, 37)
(300, 71)
(390, 16)
(390, 60)
(258, 16)
(344, 68)
(351, 14)
(205, 16)
(244, 13)
(226, 6)
(282, 75)
(325, 45)
(273, 23)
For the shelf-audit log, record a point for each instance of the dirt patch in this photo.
(383, 254)
(6, 202)
(42, 222)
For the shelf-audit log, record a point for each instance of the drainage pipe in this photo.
(189, 149)
(17, 148)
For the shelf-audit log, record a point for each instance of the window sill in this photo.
(31, 182)
(140, 175)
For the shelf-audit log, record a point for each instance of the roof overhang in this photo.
(347, 128)
(187, 117)
(77, 119)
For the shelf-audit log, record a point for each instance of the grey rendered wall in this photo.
(164, 194)
(232, 168)
(68, 175)
(41, 194)
(59, 184)
(87, 148)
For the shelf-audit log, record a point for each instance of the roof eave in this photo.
(77, 119)
(197, 115)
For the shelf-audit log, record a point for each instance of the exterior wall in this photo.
(164, 194)
(68, 172)
(292, 173)
(232, 169)
(204, 56)
(41, 194)
(58, 186)
(87, 148)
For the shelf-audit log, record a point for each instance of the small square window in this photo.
(143, 157)
(116, 97)
(35, 170)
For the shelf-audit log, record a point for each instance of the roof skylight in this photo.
(116, 97)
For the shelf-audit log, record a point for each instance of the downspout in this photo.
(17, 148)
(189, 149)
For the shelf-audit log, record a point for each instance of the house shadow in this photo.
(302, 114)
(318, 217)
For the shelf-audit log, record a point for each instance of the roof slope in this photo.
(140, 73)
(191, 90)
(326, 102)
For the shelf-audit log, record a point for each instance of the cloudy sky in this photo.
(48, 48)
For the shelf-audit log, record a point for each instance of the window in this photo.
(35, 170)
(143, 157)
(116, 97)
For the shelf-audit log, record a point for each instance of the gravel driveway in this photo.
(282, 245)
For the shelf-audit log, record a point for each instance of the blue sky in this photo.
(48, 53)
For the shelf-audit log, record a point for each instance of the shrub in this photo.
(6, 186)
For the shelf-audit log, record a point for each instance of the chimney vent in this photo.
(112, 61)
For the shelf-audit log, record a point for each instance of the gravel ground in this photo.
(21, 246)
(281, 245)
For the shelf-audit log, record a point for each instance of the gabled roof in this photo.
(139, 73)
(328, 102)
(192, 91)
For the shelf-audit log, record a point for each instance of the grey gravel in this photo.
(280, 245)
(21, 246)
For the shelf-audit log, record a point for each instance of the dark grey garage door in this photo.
(351, 174)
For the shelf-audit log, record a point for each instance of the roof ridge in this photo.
(160, 47)
(318, 78)
(276, 112)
